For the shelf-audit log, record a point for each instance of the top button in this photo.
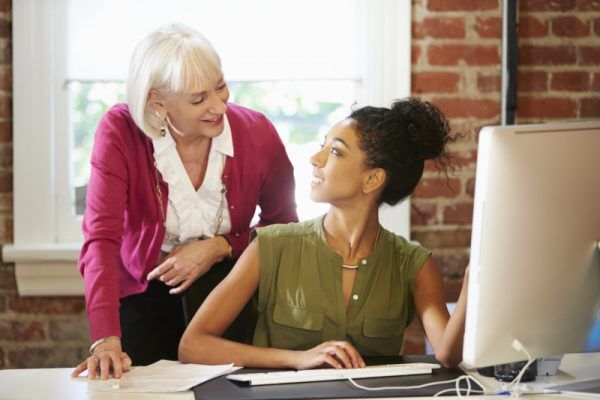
(364, 262)
(355, 297)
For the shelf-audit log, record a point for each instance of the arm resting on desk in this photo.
(202, 342)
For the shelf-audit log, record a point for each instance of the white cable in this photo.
(455, 381)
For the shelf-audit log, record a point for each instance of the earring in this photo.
(163, 124)
(163, 128)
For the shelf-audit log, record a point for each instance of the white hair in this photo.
(172, 59)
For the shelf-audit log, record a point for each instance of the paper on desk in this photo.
(162, 376)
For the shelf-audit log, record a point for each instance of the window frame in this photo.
(45, 250)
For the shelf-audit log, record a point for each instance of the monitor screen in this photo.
(535, 261)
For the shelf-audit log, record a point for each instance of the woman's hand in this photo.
(338, 354)
(107, 357)
(188, 262)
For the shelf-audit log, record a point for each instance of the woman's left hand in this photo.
(188, 262)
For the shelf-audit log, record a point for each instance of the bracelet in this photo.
(103, 340)
(229, 249)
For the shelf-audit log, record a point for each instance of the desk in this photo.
(56, 383)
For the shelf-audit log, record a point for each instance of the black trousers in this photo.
(153, 322)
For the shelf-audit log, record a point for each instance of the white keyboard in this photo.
(331, 374)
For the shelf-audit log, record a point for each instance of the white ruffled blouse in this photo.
(193, 214)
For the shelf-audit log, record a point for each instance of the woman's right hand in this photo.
(107, 357)
(337, 354)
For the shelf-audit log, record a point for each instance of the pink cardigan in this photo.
(122, 226)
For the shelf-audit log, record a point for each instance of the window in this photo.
(302, 63)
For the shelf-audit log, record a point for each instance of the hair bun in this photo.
(423, 126)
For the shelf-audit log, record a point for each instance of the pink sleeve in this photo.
(106, 199)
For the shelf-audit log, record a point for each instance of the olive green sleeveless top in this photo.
(300, 300)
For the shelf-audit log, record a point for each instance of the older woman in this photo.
(340, 287)
(177, 174)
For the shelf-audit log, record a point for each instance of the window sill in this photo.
(45, 269)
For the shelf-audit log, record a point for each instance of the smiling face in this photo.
(198, 112)
(340, 174)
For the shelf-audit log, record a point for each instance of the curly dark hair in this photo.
(399, 140)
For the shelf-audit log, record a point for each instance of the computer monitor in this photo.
(535, 262)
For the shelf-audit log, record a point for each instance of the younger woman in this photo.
(340, 287)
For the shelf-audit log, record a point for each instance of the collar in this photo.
(222, 143)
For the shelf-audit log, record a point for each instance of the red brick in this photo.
(6, 182)
(597, 26)
(440, 27)
(596, 82)
(46, 305)
(488, 83)
(6, 54)
(7, 281)
(452, 289)
(5, 29)
(3, 306)
(5, 78)
(28, 331)
(453, 54)
(462, 5)
(8, 230)
(6, 131)
(5, 6)
(470, 187)
(570, 81)
(546, 55)
(452, 266)
(6, 153)
(590, 108)
(2, 362)
(465, 108)
(415, 53)
(5, 106)
(547, 5)
(6, 207)
(22, 331)
(422, 213)
(429, 188)
(531, 27)
(461, 159)
(570, 26)
(489, 27)
(589, 55)
(543, 108)
(535, 81)
(435, 82)
(51, 357)
(589, 5)
(71, 329)
(458, 214)
(443, 239)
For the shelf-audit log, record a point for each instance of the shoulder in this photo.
(249, 124)
(116, 125)
(406, 249)
(292, 230)
(117, 121)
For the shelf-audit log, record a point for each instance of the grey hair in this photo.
(172, 59)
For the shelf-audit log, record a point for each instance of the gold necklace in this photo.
(346, 266)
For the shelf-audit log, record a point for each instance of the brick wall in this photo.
(455, 64)
(456, 55)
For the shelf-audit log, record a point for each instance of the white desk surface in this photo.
(56, 383)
